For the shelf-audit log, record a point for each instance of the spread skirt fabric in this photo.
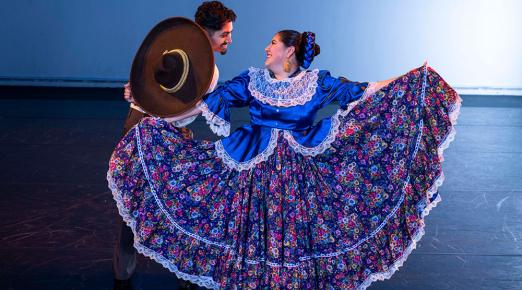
(340, 218)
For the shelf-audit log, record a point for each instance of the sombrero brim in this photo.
(172, 33)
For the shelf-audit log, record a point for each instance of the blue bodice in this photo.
(288, 106)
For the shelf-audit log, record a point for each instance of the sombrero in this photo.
(173, 68)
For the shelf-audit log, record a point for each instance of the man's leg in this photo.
(124, 258)
(133, 118)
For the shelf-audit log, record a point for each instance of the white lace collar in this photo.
(282, 93)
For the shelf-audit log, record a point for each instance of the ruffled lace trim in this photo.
(306, 151)
(330, 137)
(246, 165)
(371, 89)
(325, 144)
(203, 281)
(158, 201)
(454, 113)
(282, 93)
(218, 125)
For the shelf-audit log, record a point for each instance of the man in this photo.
(217, 20)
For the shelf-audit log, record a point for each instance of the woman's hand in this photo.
(127, 93)
(381, 84)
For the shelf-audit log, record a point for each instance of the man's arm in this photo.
(127, 95)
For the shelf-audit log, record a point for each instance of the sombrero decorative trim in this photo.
(173, 68)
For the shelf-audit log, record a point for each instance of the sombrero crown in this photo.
(173, 67)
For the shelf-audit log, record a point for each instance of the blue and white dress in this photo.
(276, 106)
(287, 202)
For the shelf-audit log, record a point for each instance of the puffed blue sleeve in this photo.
(339, 89)
(216, 105)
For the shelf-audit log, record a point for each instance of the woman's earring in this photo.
(286, 66)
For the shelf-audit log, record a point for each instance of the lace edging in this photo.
(282, 93)
(246, 165)
(203, 281)
(370, 89)
(325, 144)
(454, 113)
(330, 137)
(380, 276)
(218, 125)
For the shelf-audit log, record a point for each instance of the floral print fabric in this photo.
(339, 219)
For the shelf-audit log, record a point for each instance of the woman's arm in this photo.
(380, 84)
(375, 86)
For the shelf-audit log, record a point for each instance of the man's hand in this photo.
(127, 94)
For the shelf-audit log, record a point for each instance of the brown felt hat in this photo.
(173, 68)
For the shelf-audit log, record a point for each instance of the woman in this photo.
(284, 202)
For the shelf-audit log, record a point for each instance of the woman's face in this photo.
(277, 53)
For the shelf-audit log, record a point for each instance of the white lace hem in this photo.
(371, 89)
(453, 116)
(282, 93)
(454, 113)
(218, 125)
(203, 281)
(329, 138)
(325, 144)
(247, 165)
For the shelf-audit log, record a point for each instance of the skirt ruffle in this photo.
(343, 218)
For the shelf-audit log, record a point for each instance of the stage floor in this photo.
(57, 216)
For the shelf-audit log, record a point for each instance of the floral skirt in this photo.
(340, 219)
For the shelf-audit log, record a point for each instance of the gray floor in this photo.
(57, 216)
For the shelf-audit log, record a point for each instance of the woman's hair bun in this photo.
(309, 49)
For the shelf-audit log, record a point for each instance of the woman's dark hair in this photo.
(212, 15)
(305, 47)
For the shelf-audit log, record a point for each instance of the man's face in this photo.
(220, 39)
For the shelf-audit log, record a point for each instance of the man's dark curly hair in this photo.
(212, 15)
